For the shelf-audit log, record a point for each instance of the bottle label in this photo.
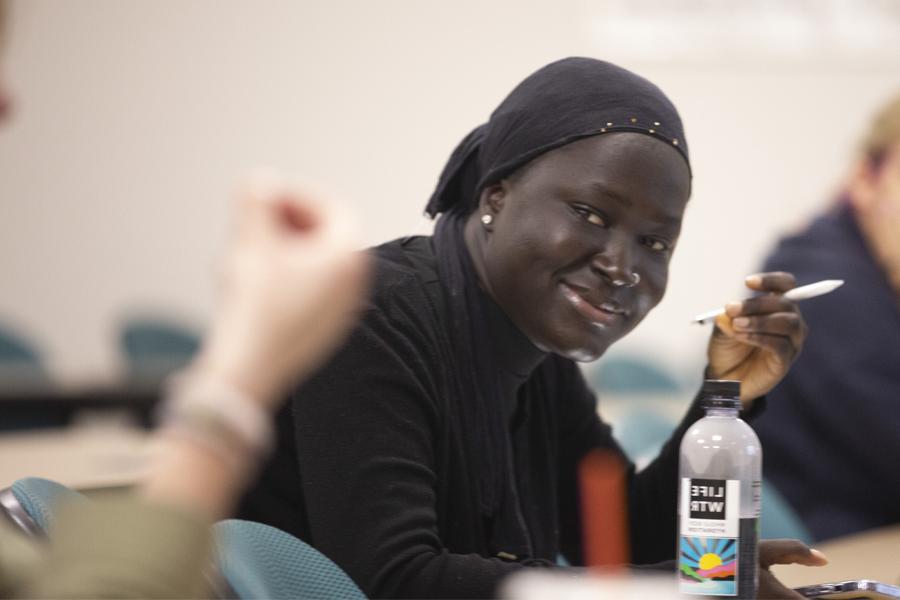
(709, 537)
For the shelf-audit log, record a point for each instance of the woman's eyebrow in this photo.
(668, 222)
(598, 188)
(665, 221)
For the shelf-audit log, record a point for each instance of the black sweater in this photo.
(371, 466)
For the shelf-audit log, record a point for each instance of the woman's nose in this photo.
(614, 263)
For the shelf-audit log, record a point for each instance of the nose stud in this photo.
(635, 279)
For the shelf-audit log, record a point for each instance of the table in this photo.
(83, 457)
(872, 554)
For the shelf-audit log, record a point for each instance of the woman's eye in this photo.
(595, 219)
(591, 217)
(657, 245)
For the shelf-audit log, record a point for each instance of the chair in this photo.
(259, 561)
(21, 368)
(31, 503)
(778, 519)
(154, 348)
(14, 348)
(641, 433)
(632, 374)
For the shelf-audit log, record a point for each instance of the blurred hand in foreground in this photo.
(292, 286)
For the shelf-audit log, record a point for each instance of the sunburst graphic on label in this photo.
(704, 559)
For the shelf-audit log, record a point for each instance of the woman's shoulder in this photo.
(405, 282)
(395, 344)
(399, 309)
(399, 265)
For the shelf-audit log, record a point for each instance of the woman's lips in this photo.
(597, 316)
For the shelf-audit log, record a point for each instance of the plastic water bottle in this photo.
(720, 472)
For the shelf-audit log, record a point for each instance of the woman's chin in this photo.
(582, 354)
(580, 351)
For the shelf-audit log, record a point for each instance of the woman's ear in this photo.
(491, 202)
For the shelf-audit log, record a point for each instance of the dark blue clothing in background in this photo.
(831, 433)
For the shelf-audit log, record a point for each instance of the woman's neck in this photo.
(515, 353)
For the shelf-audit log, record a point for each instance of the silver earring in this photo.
(636, 279)
(487, 219)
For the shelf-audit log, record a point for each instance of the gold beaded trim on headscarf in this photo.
(633, 125)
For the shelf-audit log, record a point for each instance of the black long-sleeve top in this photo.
(372, 468)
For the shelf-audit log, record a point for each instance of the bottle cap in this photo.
(721, 393)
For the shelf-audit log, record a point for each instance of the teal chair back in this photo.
(259, 561)
(154, 348)
(621, 373)
(641, 433)
(21, 367)
(778, 518)
(15, 349)
(32, 502)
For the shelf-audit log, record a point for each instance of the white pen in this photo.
(803, 292)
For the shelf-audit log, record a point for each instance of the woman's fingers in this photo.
(297, 217)
(786, 552)
(782, 323)
(271, 206)
(256, 197)
(760, 305)
(762, 320)
(773, 281)
(780, 332)
(772, 589)
(781, 346)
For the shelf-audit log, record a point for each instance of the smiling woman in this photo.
(438, 452)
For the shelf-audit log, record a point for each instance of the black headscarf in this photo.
(565, 101)
(560, 103)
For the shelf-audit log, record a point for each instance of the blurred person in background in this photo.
(290, 288)
(832, 431)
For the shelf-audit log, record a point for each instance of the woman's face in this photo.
(573, 230)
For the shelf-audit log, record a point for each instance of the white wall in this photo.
(135, 118)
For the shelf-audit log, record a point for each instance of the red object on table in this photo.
(604, 514)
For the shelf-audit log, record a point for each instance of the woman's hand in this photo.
(783, 552)
(292, 286)
(757, 339)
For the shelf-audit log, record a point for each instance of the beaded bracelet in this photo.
(217, 415)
